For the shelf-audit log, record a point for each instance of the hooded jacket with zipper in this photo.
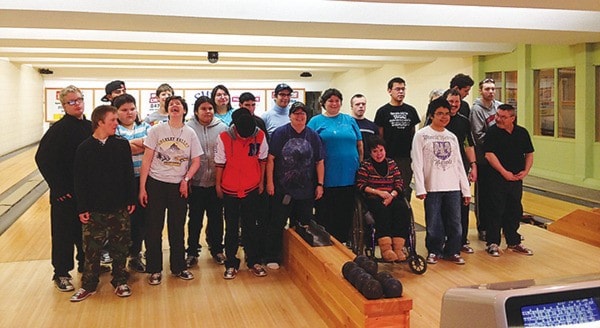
(207, 134)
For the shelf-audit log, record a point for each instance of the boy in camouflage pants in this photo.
(105, 192)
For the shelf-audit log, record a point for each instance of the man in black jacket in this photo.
(105, 190)
(54, 158)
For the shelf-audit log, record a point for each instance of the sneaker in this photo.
(136, 264)
(432, 258)
(190, 261)
(105, 258)
(220, 258)
(521, 249)
(258, 270)
(63, 284)
(81, 294)
(467, 249)
(123, 290)
(185, 275)
(155, 278)
(230, 273)
(456, 259)
(273, 265)
(492, 249)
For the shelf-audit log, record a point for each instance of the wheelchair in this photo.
(362, 237)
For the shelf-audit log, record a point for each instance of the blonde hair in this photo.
(65, 91)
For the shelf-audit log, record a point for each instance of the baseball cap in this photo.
(112, 86)
(282, 86)
(298, 105)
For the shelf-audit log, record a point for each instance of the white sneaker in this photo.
(273, 265)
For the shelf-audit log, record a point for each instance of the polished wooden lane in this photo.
(28, 298)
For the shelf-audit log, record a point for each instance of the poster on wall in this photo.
(54, 110)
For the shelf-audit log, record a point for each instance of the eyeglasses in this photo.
(488, 80)
(284, 95)
(442, 114)
(75, 102)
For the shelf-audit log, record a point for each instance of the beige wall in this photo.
(21, 111)
(420, 80)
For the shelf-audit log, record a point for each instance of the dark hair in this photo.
(507, 107)
(450, 92)
(373, 141)
(437, 103)
(246, 96)
(395, 80)
(99, 114)
(358, 95)
(183, 103)
(125, 99)
(328, 94)
(461, 80)
(201, 100)
(213, 94)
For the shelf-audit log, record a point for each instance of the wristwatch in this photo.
(186, 179)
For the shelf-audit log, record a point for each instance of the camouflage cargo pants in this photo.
(114, 227)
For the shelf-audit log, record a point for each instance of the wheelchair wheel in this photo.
(417, 264)
(357, 237)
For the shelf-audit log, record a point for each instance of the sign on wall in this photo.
(147, 101)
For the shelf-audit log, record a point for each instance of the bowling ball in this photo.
(361, 279)
(354, 272)
(360, 259)
(372, 290)
(347, 267)
(370, 266)
(382, 276)
(392, 288)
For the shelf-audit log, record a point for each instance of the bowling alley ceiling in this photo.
(278, 39)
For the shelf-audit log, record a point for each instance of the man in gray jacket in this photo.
(203, 197)
(483, 116)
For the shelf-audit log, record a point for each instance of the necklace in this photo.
(173, 133)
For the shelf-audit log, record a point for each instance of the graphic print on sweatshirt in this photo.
(172, 151)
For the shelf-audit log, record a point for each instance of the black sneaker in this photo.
(230, 273)
(63, 284)
(492, 249)
(136, 264)
(123, 290)
(81, 294)
(191, 261)
(521, 249)
(185, 275)
(220, 258)
(155, 278)
(258, 270)
(456, 259)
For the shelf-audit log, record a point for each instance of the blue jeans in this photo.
(442, 218)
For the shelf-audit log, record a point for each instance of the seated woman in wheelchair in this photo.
(380, 180)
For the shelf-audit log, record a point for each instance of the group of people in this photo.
(112, 179)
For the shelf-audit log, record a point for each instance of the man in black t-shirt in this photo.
(509, 151)
(396, 121)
